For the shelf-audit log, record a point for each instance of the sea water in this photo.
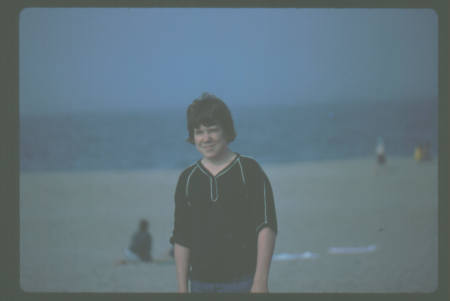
(270, 133)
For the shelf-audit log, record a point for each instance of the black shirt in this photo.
(219, 217)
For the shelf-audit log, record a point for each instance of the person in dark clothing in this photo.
(224, 221)
(140, 246)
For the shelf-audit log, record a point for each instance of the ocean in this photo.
(269, 133)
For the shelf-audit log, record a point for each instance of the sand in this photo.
(75, 225)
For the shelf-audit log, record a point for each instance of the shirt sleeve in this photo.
(264, 205)
(182, 217)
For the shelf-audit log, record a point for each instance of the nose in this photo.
(206, 137)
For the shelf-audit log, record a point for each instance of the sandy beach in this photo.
(367, 228)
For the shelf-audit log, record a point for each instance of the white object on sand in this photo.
(294, 256)
(352, 250)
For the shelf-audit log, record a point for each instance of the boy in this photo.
(225, 222)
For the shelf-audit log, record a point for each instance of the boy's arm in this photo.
(261, 193)
(266, 244)
(181, 237)
(181, 255)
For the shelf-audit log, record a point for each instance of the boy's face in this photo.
(210, 141)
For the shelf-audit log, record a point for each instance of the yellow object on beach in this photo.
(418, 154)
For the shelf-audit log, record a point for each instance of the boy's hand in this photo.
(259, 288)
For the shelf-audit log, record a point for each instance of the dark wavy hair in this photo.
(209, 110)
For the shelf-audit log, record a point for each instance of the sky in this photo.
(109, 59)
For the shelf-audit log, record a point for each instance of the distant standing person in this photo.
(224, 221)
(140, 246)
(380, 152)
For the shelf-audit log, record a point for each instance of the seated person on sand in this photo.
(140, 246)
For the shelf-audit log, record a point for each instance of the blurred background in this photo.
(108, 88)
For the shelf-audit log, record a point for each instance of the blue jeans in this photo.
(241, 285)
